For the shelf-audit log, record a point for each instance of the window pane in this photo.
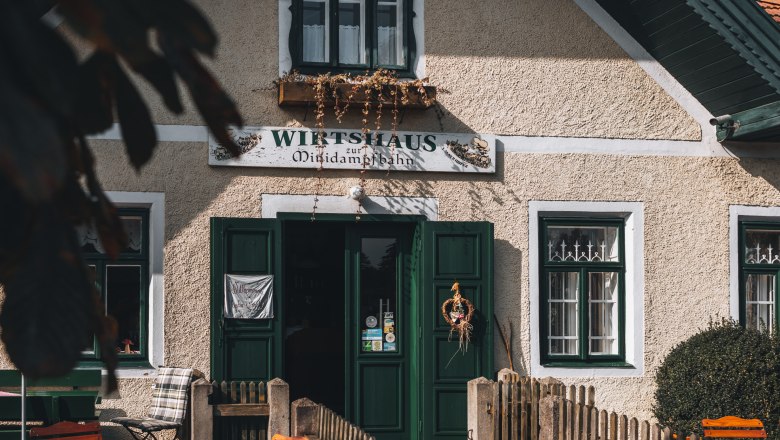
(760, 301)
(89, 343)
(378, 312)
(562, 304)
(315, 31)
(762, 246)
(352, 32)
(123, 302)
(582, 243)
(88, 239)
(390, 31)
(132, 226)
(602, 298)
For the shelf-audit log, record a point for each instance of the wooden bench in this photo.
(69, 398)
(733, 427)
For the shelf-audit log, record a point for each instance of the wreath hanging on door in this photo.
(457, 312)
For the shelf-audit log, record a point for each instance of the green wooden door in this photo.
(450, 251)
(379, 342)
(244, 349)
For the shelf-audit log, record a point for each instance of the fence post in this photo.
(279, 407)
(549, 417)
(201, 415)
(479, 410)
(304, 418)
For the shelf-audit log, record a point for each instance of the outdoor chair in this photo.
(169, 405)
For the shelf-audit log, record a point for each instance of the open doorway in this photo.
(314, 262)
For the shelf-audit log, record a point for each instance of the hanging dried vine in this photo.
(375, 88)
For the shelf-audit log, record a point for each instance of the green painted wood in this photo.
(245, 349)
(333, 66)
(381, 381)
(76, 378)
(726, 53)
(450, 251)
(583, 358)
(758, 269)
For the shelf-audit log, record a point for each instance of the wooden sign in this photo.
(289, 147)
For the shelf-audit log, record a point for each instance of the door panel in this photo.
(380, 375)
(244, 349)
(380, 401)
(451, 251)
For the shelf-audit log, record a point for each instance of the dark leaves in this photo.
(135, 121)
(47, 309)
(48, 182)
(216, 107)
(95, 105)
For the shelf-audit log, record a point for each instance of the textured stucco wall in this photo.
(686, 234)
(517, 67)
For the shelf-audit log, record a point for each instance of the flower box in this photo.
(303, 94)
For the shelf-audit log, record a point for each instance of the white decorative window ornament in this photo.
(249, 296)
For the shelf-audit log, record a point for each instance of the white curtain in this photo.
(314, 43)
(387, 45)
(349, 45)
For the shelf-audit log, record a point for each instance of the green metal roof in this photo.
(725, 52)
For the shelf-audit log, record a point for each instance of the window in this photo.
(759, 261)
(351, 35)
(582, 291)
(123, 286)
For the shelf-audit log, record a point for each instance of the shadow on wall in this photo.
(509, 306)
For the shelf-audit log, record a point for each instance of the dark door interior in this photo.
(314, 300)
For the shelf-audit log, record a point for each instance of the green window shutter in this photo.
(461, 251)
(244, 349)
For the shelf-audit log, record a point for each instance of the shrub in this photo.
(723, 370)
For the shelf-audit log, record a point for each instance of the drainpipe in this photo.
(724, 127)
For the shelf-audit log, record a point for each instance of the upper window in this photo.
(123, 285)
(582, 291)
(351, 35)
(759, 264)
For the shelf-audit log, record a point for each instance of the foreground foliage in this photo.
(51, 101)
(723, 370)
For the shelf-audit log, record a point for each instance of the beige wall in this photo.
(685, 202)
(516, 67)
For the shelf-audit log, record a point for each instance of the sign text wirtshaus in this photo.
(280, 147)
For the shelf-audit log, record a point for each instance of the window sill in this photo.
(574, 364)
(302, 94)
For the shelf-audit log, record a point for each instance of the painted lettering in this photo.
(430, 142)
(285, 137)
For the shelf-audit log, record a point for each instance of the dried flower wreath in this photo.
(458, 312)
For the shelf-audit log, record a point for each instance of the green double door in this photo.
(357, 323)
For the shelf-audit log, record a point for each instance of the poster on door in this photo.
(249, 296)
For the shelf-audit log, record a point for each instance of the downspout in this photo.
(725, 126)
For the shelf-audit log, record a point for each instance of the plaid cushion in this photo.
(169, 398)
(145, 424)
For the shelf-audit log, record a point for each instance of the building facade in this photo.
(612, 227)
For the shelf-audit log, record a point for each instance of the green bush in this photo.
(723, 370)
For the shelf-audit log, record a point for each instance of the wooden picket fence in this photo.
(524, 408)
(334, 427)
(240, 410)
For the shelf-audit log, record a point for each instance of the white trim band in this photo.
(273, 204)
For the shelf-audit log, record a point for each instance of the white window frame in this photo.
(737, 214)
(285, 23)
(155, 203)
(633, 213)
